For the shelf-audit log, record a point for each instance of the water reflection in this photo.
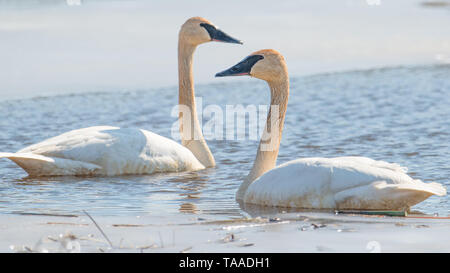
(188, 208)
(264, 211)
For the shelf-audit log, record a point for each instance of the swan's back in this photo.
(339, 183)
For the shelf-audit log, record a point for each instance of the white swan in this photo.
(105, 150)
(317, 183)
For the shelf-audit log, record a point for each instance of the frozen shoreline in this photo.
(286, 232)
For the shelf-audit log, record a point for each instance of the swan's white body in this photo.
(339, 183)
(105, 150)
(318, 183)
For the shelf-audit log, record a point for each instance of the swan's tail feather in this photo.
(433, 188)
(381, 195)
(39, 165)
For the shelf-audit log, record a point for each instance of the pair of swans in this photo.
(318, 183)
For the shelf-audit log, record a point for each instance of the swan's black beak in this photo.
(242, 68)
(218, 35)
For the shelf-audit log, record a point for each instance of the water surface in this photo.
(395, 114)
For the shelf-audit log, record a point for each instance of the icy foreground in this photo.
(287, 232)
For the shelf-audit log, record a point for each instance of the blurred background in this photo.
(69, 46)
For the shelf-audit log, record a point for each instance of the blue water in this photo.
(398, 115)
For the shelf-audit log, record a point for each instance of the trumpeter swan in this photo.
(105, 150)
(317, 183)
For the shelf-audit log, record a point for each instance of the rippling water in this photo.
(395, 114)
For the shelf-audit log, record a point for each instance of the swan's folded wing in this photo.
(39, 165)
(87, 144)
(112, 148)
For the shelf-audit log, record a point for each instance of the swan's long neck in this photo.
(266, 158)
(190, 129)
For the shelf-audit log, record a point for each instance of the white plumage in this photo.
(339, 183)
(105, 150)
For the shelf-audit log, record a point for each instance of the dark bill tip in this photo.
(219, 36)
(220, 74)
(232, 41)
(242, 68)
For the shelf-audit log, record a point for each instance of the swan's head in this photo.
(266, 64)
(197, 30)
